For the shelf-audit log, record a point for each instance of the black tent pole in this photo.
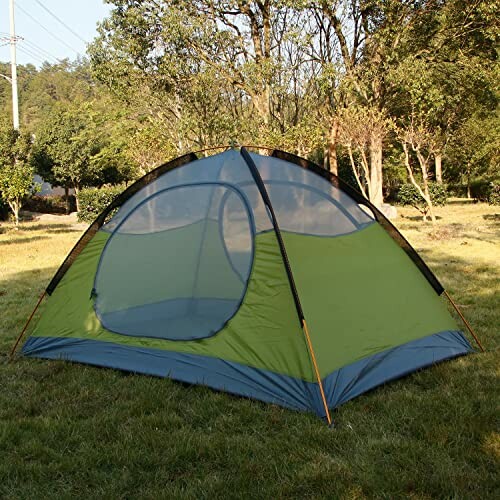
(267, 201)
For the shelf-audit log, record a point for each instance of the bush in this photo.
(93, 201)
(480, 189)
(409, 195)
(55, 204)
(494, 195)
(457, 190)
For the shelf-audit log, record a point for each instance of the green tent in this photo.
(262, 276)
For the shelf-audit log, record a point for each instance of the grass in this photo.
(70, 430)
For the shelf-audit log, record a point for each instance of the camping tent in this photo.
(263, 276)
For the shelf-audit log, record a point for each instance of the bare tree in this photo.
(417, 139)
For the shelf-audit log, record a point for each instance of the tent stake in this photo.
(21, 335)
(466, 323)
(313, 357)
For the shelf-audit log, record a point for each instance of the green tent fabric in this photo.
(263, 276)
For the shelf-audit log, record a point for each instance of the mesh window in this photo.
(177, 266)
(228, 167)
(306, 203)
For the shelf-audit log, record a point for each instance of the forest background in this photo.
(398, 97)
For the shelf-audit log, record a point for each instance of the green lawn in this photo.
(76, 431)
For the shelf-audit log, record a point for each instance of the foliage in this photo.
(92, 201)
(53, 204)
(480, 189)
(494, 196)
(315, 78)
(73, 149)
(474, 149)
(409, 195)
(16, 175)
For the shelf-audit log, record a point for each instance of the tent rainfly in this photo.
(263, 276)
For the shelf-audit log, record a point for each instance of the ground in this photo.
(76, 431)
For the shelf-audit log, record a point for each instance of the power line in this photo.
(60, 21)
(47, 30)
(31, 54)
(32, 47)
(36, 53)
(39, 49)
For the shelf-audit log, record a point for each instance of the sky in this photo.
(44, 37)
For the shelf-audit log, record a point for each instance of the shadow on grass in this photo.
(67, 230)
(18, 297)
(419, 218)
(51, 228)
(20, 240)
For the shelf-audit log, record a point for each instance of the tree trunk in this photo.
(325, 157)
(15, 207)
(77, 190)
(68, 204)
(376, 194)
(425, 181)
(438, 160)
(262, 103)
(428, 200)
(332, 146)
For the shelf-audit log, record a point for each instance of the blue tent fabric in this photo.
(340, 386)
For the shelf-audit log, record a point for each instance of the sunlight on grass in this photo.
(69, 430)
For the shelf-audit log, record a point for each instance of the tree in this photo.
(409, 195)
(474, 149)
(74, 149)
(416, 139)
(16, 174)
(359, 128)
(446, 79)
(215, 71)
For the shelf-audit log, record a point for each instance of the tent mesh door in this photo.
(177, 266)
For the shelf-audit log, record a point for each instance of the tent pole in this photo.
(466, 323)
(300, 313)
(316, 370)
(21, 335)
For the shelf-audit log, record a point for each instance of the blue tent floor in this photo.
(340, 386)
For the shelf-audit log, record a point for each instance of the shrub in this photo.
(457, 190)
(494, 195)
(54, 204)
(480, 189)
(92, 201)
(409, 195)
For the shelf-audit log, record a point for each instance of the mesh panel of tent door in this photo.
(176, 267)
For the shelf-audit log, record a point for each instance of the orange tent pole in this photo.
(316, 370)
(466, 323)
(21, 335)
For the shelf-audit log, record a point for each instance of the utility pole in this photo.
(13, 66)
